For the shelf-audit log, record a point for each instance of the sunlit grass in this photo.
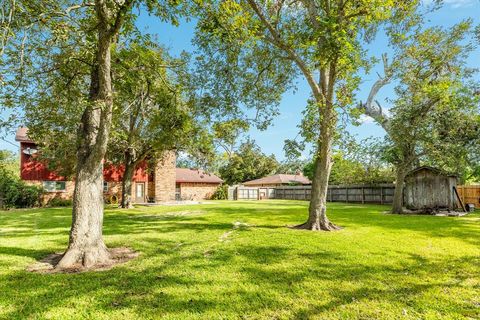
(237, 260)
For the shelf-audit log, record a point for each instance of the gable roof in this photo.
(196, 175)
(22, 135)
(432, 169)
(280, 179)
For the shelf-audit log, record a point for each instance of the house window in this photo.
(54, 186)
(105, 186)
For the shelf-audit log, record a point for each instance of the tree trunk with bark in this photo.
(86, 247)
(127, 180)
(317, 211)
(324, 93)
(397, 206)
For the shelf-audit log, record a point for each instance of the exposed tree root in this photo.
(317, 226)
(84, 257)
(76, 261)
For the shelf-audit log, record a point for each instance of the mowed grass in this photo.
(195, 264)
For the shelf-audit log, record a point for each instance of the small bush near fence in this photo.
(59, 202)
(14, 193)
(221, 193)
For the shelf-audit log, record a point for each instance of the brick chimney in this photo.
(165, 177)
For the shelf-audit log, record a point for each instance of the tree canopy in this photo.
(434, 116)
(257, 49)
(248, 163)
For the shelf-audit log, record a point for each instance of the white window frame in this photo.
(105, 186)
(54, 186)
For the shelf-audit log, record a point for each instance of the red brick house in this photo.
(158, 185)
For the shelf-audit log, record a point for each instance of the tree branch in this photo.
(279, 43)
(359, 13)
(375, 110)
(121, 16)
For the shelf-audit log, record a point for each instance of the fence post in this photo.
(346, 194)
(363, 195)
(381, 195)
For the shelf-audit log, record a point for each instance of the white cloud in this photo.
(364, 119)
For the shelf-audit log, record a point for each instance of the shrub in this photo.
(15, 193)
(59, 202)
(221, 193)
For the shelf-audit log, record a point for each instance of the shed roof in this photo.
(196, 175)
(280, 179)
(22, 135)
(435, 170)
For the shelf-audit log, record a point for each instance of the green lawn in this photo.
(195, 264)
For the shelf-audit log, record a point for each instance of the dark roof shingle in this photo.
(280, 179)
(196, 175)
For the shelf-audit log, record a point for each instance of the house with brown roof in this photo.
(163, 183)
(195, 184)
(279, 180)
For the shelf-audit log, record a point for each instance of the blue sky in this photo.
(178, 39)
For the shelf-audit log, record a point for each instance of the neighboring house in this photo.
(279, 180)
(195, 184)
(156, 185)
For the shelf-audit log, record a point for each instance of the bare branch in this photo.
(78, 6)
(6, 26)
(311, 10)
(375, 110)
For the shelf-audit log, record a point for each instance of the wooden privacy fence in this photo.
(470, 194)
(382, 193)
(245, 193)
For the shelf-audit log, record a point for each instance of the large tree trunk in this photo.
(317, 212)
(86, 247)
(397, 206)
(127, 181)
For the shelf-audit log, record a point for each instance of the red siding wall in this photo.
(31, 169)
(113, 173)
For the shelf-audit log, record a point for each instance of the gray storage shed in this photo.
(430, 189)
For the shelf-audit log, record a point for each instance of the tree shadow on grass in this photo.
(464, 228)
(259, 279)
(149, 291)
(379, 283)
(23, 252)
(402, 296)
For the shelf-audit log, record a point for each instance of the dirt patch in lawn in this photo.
(184, 213)
(118, 256)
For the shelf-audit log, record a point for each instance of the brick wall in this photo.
(47, 196)
(115, 188)
(165, 176)
(197, 191)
